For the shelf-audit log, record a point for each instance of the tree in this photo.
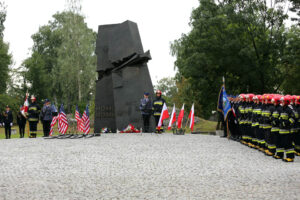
(168, 87)
(296, 9)
(5, 57)
(291, 60)
(244, 41)
(76, 60)
(63, 62)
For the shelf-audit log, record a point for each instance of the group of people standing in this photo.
(33, 115)
(149, 108)
(269, 123)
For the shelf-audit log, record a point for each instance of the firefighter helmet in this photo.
(285, 100)
(297, 100)
(33, 97)
(158, 92)
(276, 99)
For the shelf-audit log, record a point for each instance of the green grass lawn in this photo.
(203, 126)
(39, 133)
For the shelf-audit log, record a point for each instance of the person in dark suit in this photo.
(46, 117)
(21, 120)
(146, 109)
(8, 122)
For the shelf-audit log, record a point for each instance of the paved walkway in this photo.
(148, 166)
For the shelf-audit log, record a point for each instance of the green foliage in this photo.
(2, 17)
(5, 57)
(168, 87)
(12, 102)
(291, 60)
(244, 41)
(296, 9)
(5, 61)
(62, 64)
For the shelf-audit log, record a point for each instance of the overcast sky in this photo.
(159, 21)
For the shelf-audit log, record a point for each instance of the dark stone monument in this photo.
(123, 76)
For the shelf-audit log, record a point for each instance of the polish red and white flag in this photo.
(192, 118)
(173, 118)
(164, 115)
(24, 108)
(180, 117)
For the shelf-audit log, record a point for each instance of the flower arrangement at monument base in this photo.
(105, 130)
(130, 129)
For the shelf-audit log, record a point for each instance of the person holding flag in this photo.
(224, 108)
(21, 121)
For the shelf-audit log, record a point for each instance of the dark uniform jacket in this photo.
(21, 120)
(33, 112)
(146, 106)
(46, 113)
(286, 120)
(158, 104)
(294, 127)
(275, 112)
(8, 117)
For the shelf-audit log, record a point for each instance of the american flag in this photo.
(79, 120)
(86, 120)
(54, 119)
(62, 121)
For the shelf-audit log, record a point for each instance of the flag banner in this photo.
(180, 117)
(223, 103)
(173, 118)
(164, 115)
(78, 120)
(192, 118)
(24, 108)
(53, 122)
(86, 120)
(62, 121)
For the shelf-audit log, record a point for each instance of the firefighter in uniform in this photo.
(249, 120)
(262, 142)
(255, 123)
(274, 118)
(297, 133)
(267, 122)
(241, 117)
(33, 117)
(158, 103)
(285, 139)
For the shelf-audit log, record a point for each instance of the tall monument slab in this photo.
(123, 76)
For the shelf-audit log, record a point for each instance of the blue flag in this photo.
(62, 110)
(223, 103)
(87, 110)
